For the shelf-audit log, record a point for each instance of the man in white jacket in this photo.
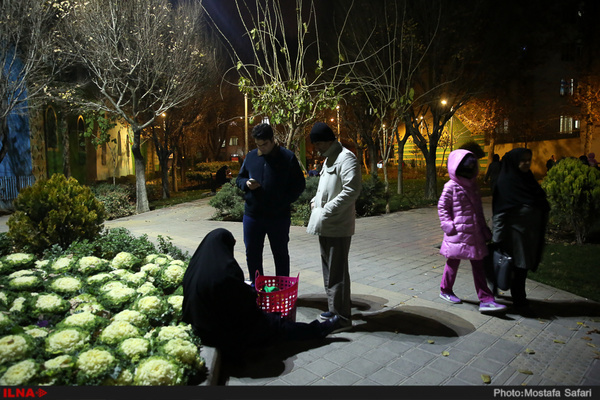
(333, 220)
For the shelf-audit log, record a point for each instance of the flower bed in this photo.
(95, 322)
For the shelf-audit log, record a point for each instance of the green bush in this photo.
(55, 211)
(118, 200)
(301, 208)
(229, 202)
(372, 198)
(573, 191)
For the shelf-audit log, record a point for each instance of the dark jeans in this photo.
(278, 232)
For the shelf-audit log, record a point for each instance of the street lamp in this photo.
(444, 102)
(337, 108)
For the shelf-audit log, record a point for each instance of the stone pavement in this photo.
(403, 333)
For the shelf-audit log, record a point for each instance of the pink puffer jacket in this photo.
(461, 215)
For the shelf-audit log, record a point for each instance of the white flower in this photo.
(151, 269)
(117, 331)
(133, 317)
(36, 332)
(19, 374)
(25, 282)
(176, 302)
(17, 305)
(134, 347)
(80, 319)
(124, 260)
(90, 264)
(66, 284)
(95, 362)
(23, 272)
(62, 264)
(58, 362)
(183, 350)
(65, 340)
(156, 371)
(167, 333)
(13, 348)
(50, 303)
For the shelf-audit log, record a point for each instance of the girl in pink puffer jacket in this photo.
(465, 229)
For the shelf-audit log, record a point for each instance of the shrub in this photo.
(229, 202)
(55, 211)
(372, 198)
(118, 200)
(301, 208)
(573, 191)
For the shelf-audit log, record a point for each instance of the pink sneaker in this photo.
(450, 298)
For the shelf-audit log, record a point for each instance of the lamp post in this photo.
(245, 124)
(444, 102)
(337, 108)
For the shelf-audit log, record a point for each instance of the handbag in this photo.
(503, 269)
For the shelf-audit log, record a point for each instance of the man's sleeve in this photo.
(297, 181)
(243, 177)
(351, 180)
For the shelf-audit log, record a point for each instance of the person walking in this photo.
(465, 230)
(492, 172)
(520, 215)
(332, 218)
(222, 308)
(272, 180)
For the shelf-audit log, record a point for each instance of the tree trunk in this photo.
(164, 172)
(431, 176)
(142, 204)
(387, 187)
(400, 167)
(3, 137)
(64, 132)
(373, 160)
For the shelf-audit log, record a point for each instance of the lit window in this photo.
(233, 141)
(568, 124)
(567, 87)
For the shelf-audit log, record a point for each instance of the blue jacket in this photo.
(281, 180)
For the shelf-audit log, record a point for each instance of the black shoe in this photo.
(341, 324)
(326, 315)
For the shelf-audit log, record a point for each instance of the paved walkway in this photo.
(403, 333)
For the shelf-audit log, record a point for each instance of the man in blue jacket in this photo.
(272, 180)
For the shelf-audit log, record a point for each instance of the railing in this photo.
(10, 186)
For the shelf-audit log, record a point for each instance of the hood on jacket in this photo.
(454, 160)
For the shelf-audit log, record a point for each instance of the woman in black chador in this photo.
(520, 216)
(222, 308)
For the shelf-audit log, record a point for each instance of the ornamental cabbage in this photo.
(19, 374)
(182, 350)
(153, 306)
(15, 348)
(134, 348)
(62, 264)
(48, 303)
(133, 317)
(22, 272)
(66, 340)
(151, 269)
(158, 371)
(117, 331)
(135, 280)
(171, 276)
(124, 260)
(17, 261)
(57, 370)
(125, 378)
(25, 283)
(160, 259)
(85, 320)
(92, 265)
(66, 285)
(92, 306)
(112, 285)
(18, 305)
(147, 289)
(94, 364)
(166, 333)
(36, 332)
(6, 324)
(176, 302)
(118, 297)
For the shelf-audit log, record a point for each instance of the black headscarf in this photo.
(216, 301)
(514, 187)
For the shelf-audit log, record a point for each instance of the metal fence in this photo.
(10, 186)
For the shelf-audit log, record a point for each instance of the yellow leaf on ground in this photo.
(526, 372)
(445, 353)
(431, 341)
(591, 344)
(529, 351)
(486, 379)
(589, 339)
(559, 341)
(518, 335)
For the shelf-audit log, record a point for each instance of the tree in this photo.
(28, 63)
(143, 58)
(286, 79)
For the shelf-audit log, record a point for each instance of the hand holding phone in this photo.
(252, 184)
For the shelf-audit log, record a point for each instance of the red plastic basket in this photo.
(281, 301)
